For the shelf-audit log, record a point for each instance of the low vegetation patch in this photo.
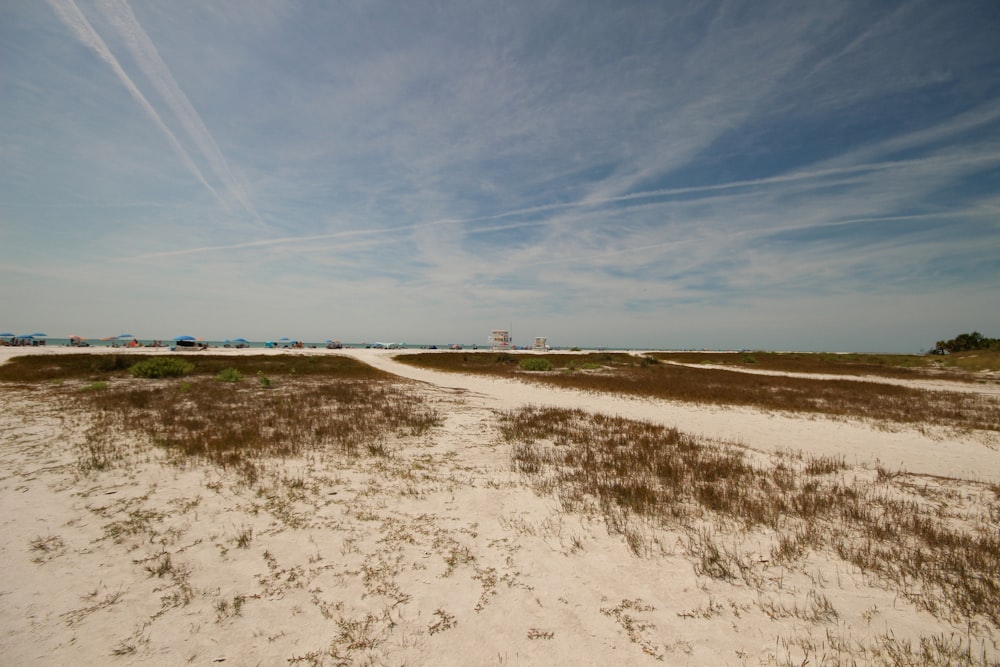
(625, 374)
(229, 375)
(95, 386)
(88, 366)
(237, 426)
(320, 404)
(896, 529)
(955, 367)
(535, 364)
(161, 367)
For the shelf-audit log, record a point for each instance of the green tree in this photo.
(968, 341)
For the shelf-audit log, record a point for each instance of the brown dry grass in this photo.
(645, 376)
(235, 425)
(959, 367)
(95, 367)
(287, 406)
(894, 526)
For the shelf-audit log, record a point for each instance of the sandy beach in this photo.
(441, 553)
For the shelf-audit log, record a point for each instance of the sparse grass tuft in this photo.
(244, 537)
(825, 465)
(47, 547)
(229, 375)
(445, 621)
(160, 568)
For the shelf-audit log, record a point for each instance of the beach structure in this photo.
(541, 344)
(500, 339)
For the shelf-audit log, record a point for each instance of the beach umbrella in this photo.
(284, 338)
(240, 340)
(185, 338)
(36, 335)
(6, 334)
(126, 336)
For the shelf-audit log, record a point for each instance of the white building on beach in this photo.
(500, 339)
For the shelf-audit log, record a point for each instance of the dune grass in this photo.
(625, 374)
(973, 361)
(237, 425)
(308, 404)
(907, 366)
(48, 368)
(902, 529)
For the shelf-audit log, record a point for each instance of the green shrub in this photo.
(95, 386)
(264, 380)
(161, 367)
(580, 365)
(535, 364)
(229, 375)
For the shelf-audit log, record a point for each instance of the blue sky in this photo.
(776, 175)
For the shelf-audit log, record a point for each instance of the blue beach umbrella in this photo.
(126, 335)
(36, 335)
(284, 338)
(5, 335)
(240, 340)
(185, 338)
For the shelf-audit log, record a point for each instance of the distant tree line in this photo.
(968, 341)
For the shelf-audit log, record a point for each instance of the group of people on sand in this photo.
(136, 343)
(22, 342)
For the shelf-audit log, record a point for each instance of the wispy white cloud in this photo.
(121, 18)
(71, 15)
(527, 161)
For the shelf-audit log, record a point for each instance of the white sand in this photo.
(437, 555)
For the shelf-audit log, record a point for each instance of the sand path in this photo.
(919, 451)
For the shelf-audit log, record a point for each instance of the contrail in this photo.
(77, 22)
(144, 52)
(804, 175)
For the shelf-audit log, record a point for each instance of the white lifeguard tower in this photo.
(541, 343)
(500, 339)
